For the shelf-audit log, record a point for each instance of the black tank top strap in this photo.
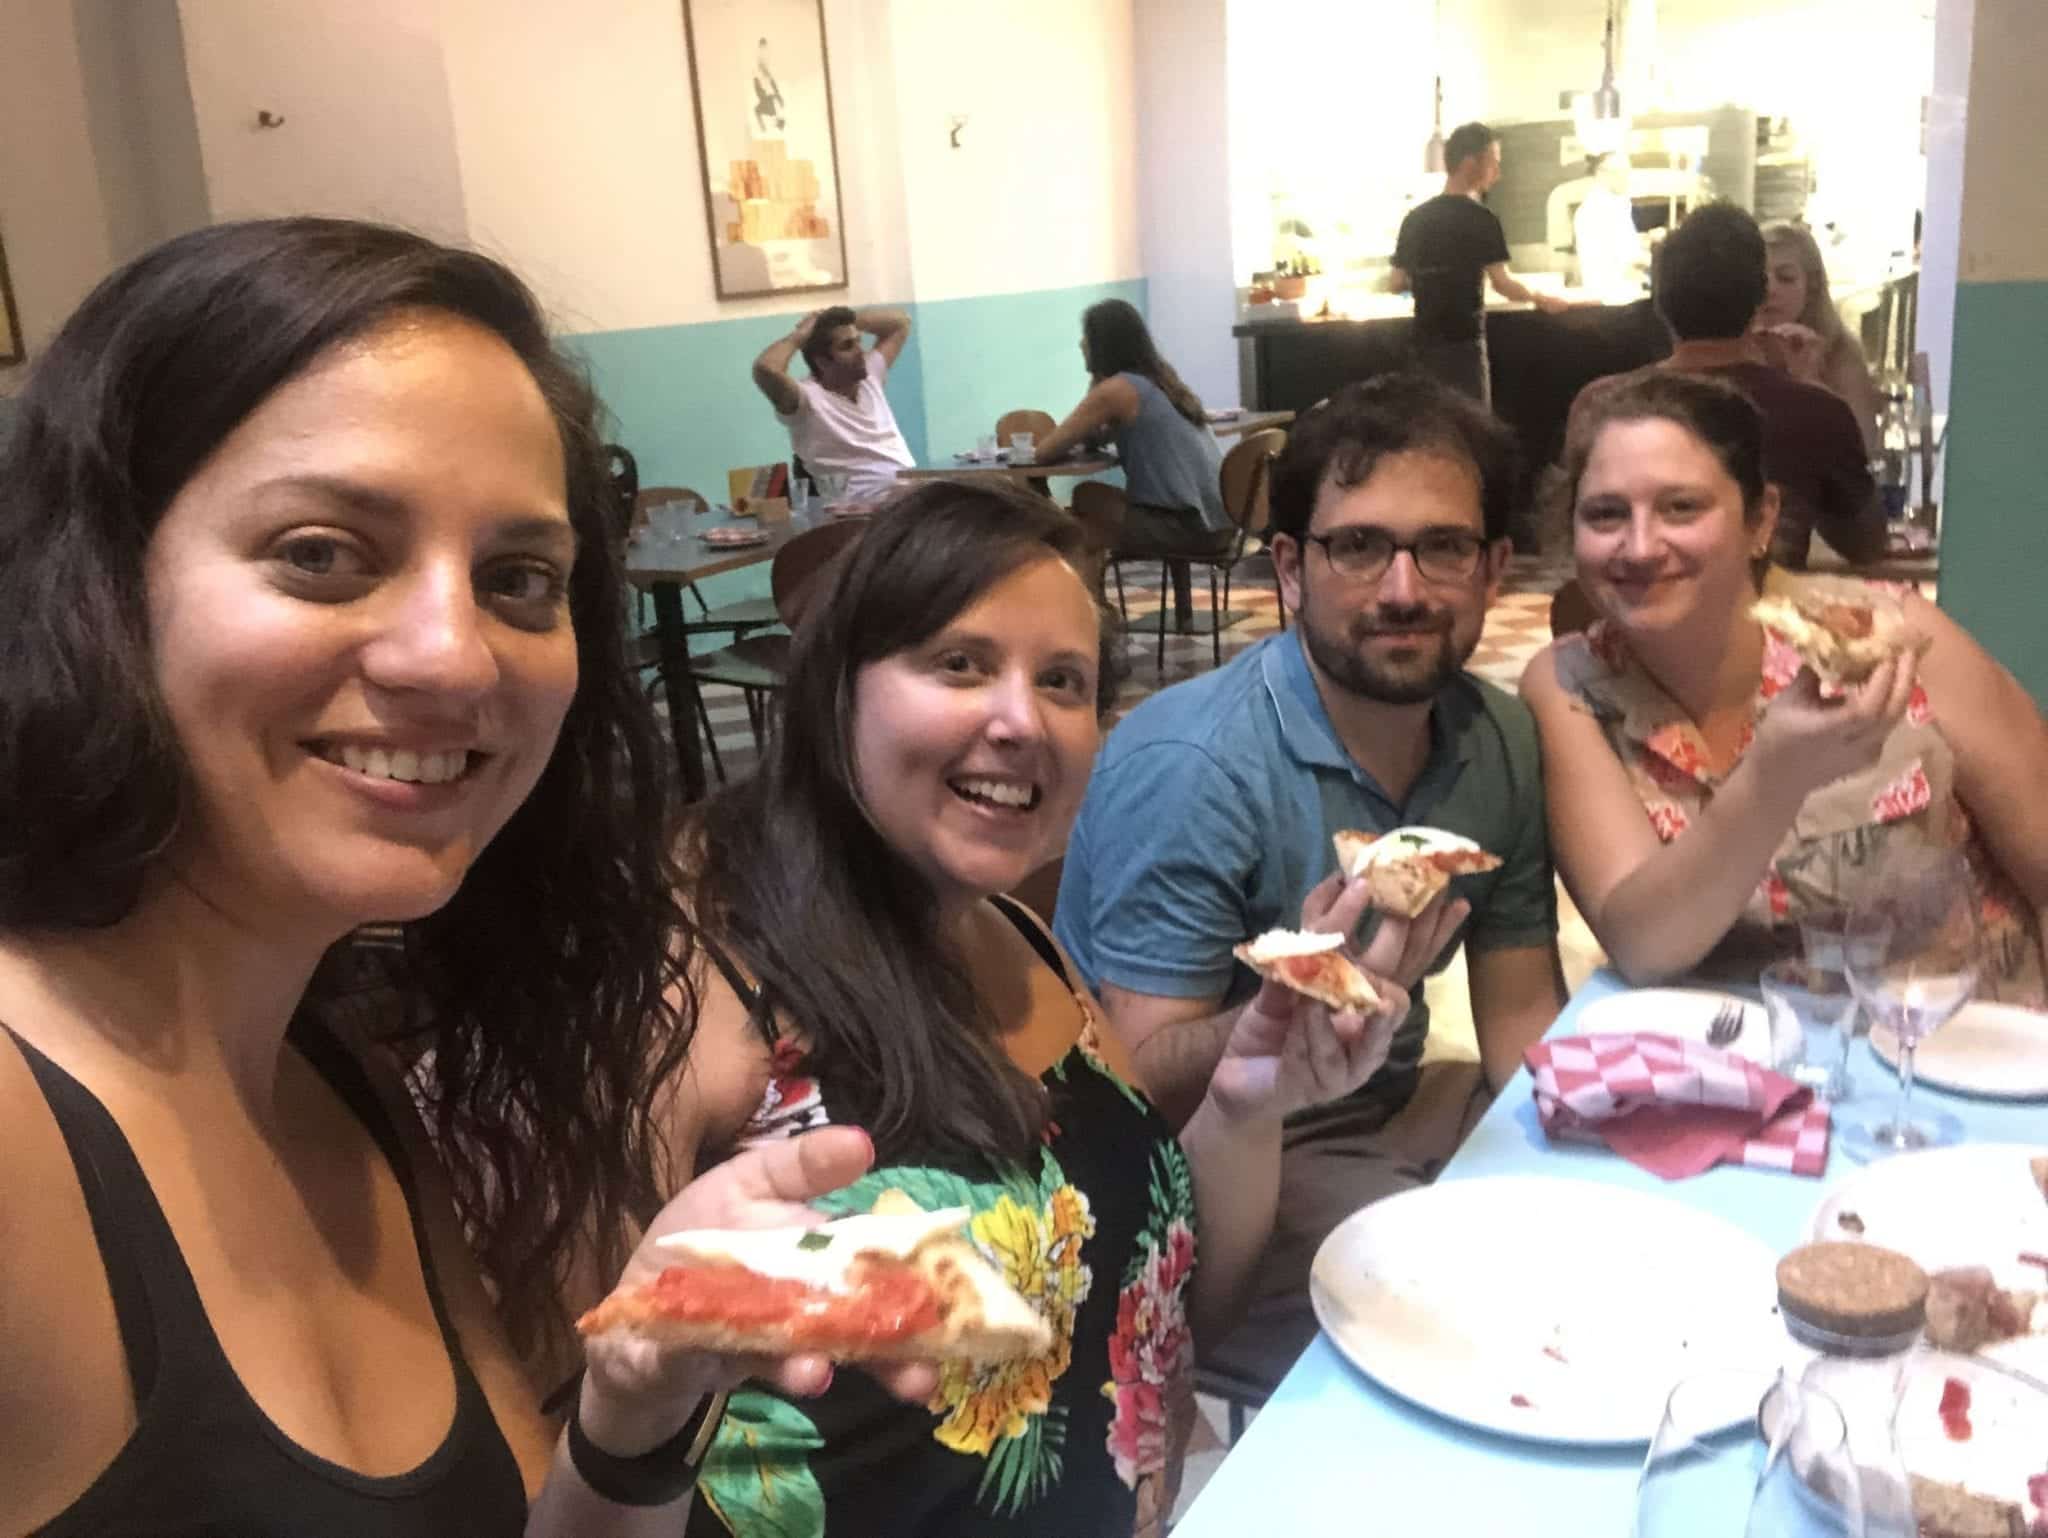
(1027, 924)
(344, 1074)
(749, 994)
(138, 1251)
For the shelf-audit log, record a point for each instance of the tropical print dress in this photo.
(1099, 1233)
(1907, 799)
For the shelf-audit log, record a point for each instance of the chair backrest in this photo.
(794, 579)
(660, 496)
(1037, 423)
(625, 473)
(1245, 476)
(1040, 890)
(1570, 609)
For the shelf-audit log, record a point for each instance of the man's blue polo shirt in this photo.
(1210, 813)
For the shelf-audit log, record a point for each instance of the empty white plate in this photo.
(1999, 1051)
(1556, 1310)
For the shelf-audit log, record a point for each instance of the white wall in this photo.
(1330, 110)
(1849, 73)
(364, 97)
(53, 220)
(1042, 192)
(1947, 125)
(578, 146)
(1184, 189)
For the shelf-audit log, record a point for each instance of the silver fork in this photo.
(1726, 1026)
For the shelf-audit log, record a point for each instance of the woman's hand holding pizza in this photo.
(1806, 740)
(635, 1396)
(1287, 1050)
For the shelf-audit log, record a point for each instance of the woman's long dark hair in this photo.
(1119, 343)
(538, 987)
(789, 877)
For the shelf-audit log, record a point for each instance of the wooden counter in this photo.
(1539, 362)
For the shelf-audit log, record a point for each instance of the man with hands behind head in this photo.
(839, 420)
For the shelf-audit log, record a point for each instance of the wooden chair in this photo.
(1037, 423)
(756, 664)
(1040, 890)
(1570, 609)
(1244, 475)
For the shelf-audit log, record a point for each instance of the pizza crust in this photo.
(1405, 869)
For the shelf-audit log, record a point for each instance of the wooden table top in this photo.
(694, 560)
(1087, 464)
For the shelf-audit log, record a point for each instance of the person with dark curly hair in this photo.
(315, 620)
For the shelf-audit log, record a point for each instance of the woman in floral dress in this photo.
(853, 962)
(1703, 795)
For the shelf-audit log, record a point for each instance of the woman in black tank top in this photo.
(315, 621)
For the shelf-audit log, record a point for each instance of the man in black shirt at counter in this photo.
(1447, 248)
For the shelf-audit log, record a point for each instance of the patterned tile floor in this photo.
(1516, 628)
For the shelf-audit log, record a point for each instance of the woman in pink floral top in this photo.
(1703, 795)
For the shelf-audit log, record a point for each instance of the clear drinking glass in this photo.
(1824, 941)
(1743, 1452)
(1915, 949)
(1023, 447)
(799, 498)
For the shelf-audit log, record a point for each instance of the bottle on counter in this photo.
(1895, 460)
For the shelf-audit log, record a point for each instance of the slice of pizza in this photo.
(1310, 964)
(1407, 867)
(893, 1284)
(1844, 631)
(1967, 1310)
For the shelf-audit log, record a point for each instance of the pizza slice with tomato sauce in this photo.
(893, 1284)
(1844, 631)
(1406, 868)
(1310, 964)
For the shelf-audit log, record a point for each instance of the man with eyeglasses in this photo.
(1209, 816)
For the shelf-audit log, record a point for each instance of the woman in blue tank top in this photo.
(314, 620)
(1173, 495)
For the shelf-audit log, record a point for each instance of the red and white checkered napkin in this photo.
(1676, 1107)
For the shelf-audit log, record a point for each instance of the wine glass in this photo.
(1713, 1469)
(1914, 952)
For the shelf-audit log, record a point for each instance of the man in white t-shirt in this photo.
(839, 420)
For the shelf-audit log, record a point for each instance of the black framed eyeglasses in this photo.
(1440, 555)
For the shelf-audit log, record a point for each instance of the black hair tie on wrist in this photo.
(653, 1478)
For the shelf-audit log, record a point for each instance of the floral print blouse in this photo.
(1906, 799)
(1100, 1235)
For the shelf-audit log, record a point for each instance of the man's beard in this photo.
(1413, 681)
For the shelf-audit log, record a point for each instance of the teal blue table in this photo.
(1334, 1453)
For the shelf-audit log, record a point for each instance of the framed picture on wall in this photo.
(12, 349)
(760, 78)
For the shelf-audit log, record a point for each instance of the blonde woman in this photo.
(1799, 311)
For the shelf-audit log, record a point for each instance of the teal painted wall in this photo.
(1994, 539)
(1005, 352)
(681, 398)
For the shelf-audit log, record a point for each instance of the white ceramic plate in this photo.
(1682, 1012)
(1974, 1205)
(1999, 1051)
(1554, 1310)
